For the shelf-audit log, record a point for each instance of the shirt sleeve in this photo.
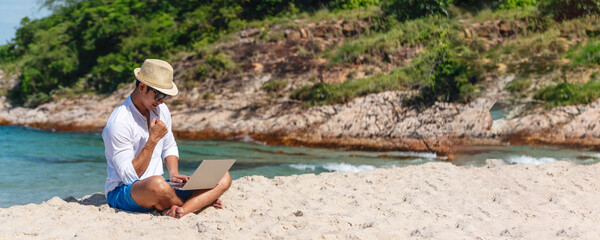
(169, 144)
(119, 148)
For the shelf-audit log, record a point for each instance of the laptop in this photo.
(206, 176)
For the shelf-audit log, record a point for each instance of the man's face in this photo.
(151, 98)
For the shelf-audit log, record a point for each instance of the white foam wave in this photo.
(416, 161)
(415, 154)
(304, 167)
(247, 139)
(528, 160)
(345, 167)
(333, 167)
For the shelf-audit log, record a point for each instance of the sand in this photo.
(430, 201)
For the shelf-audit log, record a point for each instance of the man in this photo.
(136, 135)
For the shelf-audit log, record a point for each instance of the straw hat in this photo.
(157, 74)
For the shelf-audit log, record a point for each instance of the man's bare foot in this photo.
(180, 212)
(218, 204)
(175, 211)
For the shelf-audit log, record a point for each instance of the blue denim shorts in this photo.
(120, 198)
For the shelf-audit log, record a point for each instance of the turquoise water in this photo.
(38, 165)
(521, 154)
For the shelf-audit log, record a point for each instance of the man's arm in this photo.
(158, 129)
(172, 163)
(170, 151)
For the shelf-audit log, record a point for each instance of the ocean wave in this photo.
(345, 167)
(247, 139)
(528, 160)
(416, 161)
(415, 154)
(304, 167)
(332, 167)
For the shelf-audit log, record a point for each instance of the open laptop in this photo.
(206, 176)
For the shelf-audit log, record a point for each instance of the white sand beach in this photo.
(431, 201)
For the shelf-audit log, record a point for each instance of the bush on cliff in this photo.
(587, 55)
(562, 10)
(334, 93)
(509, 4)
(411, 9)
(268, 8)
(387, 45)
(564, 93)
(444, 75)
(441, 74)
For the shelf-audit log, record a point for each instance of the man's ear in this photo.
(142, 87)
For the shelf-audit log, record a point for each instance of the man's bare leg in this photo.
(204, 198)
(155, 192)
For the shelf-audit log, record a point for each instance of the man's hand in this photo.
(158, 129)
(178, 178)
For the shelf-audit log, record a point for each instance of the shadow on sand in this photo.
(96, 199)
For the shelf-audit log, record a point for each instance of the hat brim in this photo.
(171, 92)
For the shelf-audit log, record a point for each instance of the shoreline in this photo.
(445, 152)
(431, 201)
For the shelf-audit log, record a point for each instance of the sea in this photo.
(37, 165)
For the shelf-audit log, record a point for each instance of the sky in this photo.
(11, 13)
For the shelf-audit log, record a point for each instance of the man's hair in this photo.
(137, 84)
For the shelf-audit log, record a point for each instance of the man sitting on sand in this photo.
(136, 135)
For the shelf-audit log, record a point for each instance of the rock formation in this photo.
(231, 106)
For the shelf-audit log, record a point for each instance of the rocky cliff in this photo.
(235, 104)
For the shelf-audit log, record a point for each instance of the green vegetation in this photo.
(533, 54)
(564, 93)
(570, 93)
(325, 93)
(92, 46)
(208, 96)
(215, 65)
(445, 75)
(452, 72)
(411, 9)
(562, 10)
(440, 74)
(519, 86)
(444, 71)
(275, 86)
(387, 44)
(509, 4)
(586, 55)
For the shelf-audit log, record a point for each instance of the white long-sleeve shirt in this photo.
(125, 134)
